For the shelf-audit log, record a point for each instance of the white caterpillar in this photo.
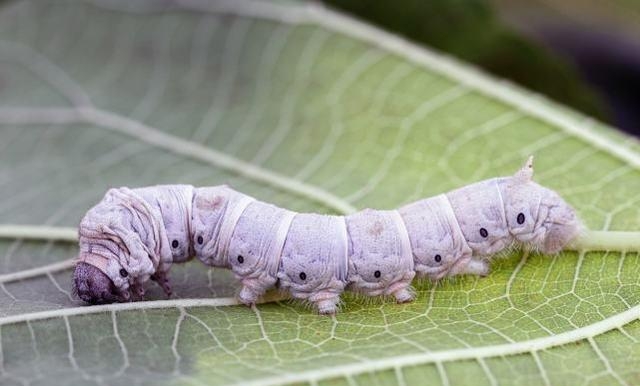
(133, 235)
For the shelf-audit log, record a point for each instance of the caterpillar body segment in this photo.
(315, 260)
(134, 235)
(256, 247)
(174, 203)
(380, 256)
(436, 239)
(484, 226)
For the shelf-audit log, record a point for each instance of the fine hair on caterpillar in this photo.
(134, 235)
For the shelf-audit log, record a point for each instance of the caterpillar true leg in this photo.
(162, 278)
(137, 292)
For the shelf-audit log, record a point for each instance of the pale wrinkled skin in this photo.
(124, 237)
(252, 250)
(549, 222)
(379, 263)
(515, 210)
(175, 205)
(211, 205)
(436, 239)
(135, 235)
(479, 211)
(314, 264)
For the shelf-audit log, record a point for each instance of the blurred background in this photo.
(582, 53)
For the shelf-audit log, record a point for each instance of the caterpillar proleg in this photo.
(134, 235)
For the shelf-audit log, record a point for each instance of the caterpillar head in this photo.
(537, 216)
(94, 287)
(100, 276)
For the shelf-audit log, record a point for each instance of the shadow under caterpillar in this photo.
(134, 235)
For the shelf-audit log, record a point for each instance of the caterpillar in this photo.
(134, 235)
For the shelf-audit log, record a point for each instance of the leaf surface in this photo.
(308, 109)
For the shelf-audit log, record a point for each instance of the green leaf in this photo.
(311, 110)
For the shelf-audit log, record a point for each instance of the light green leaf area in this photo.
(313, 111)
